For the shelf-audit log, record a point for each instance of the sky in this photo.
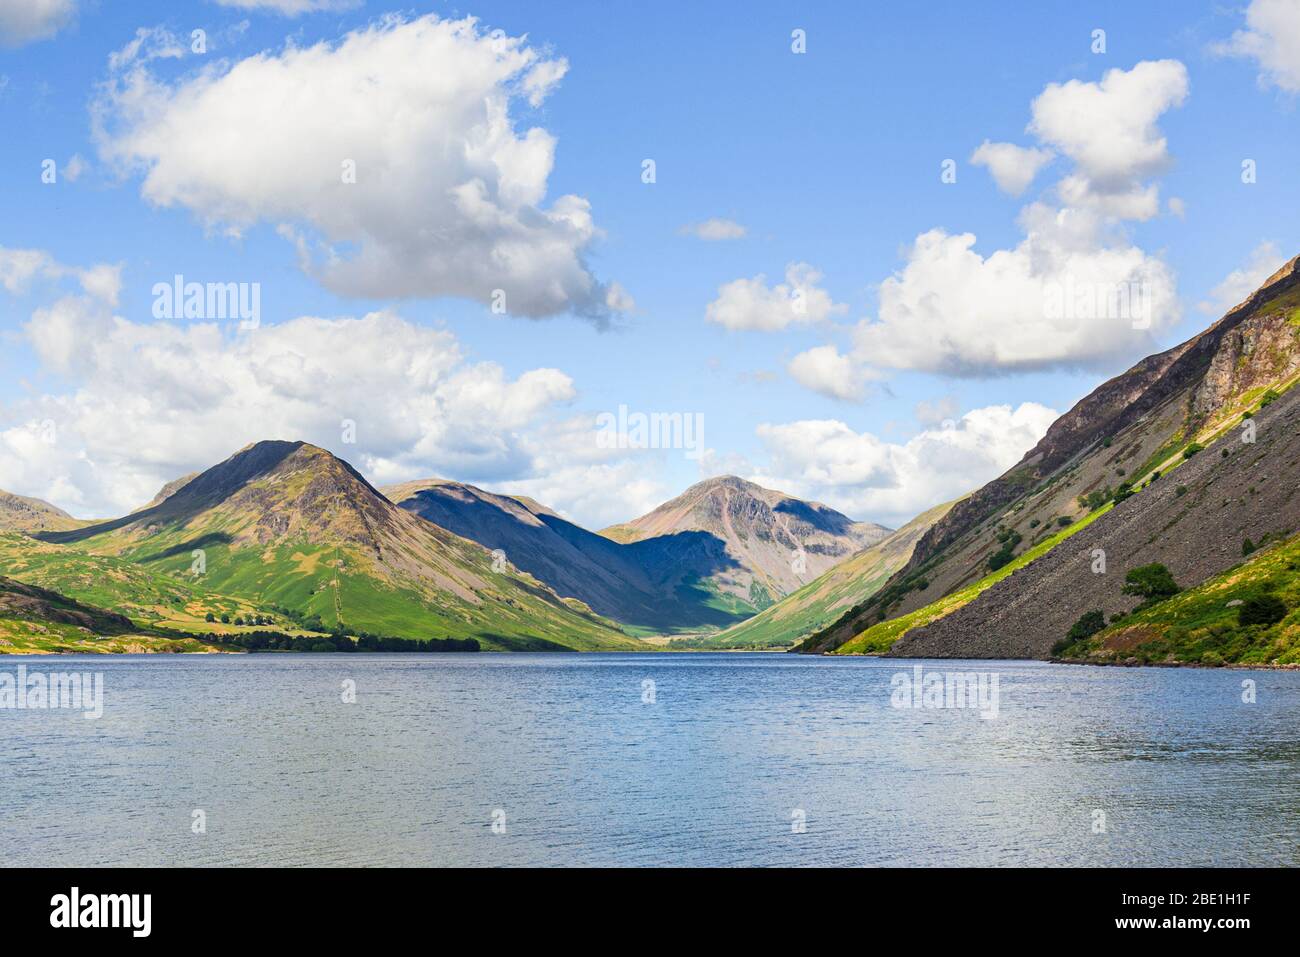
(865, 253)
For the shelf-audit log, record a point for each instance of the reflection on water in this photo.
(710, 765)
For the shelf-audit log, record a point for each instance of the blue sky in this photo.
(830, 158)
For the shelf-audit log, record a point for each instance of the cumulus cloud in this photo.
(291, 8)
(1271, 39)
(1069, 295)
(1110, 130)
(715, 230)
(1013, 167)
(868, 478)
(392, 160)
(1075, 292)
(824, 369)
(937, 411)
(26, 21)
(1237, 286)
(152, 401)
(753, 304)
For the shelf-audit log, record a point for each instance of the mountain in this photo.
(821, 602)
(1006, 560)
(168, 490)
(605, 575)
(656, 579)
(29, 515)
(289, 525)
(742, 543)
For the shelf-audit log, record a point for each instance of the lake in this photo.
(653, 759)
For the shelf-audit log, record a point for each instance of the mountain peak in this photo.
(264, 491)
(30, 515)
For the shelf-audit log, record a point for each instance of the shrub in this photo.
(1087, 625)
(1261, 610)
(1152, 583)
(1065, 521)
(1271, 396)
(1007, 552)
(1124, 492)
(1247, 547)
(209, 617)
(1193, 449)
(1180, 491)
(1034, 523)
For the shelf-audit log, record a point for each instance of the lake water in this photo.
(716, 763)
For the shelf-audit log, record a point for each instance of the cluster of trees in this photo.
(1002, 557)
(340, 642)
(251, 620)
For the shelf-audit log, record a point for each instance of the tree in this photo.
(210, 617)
(1152, 583)
(1192, 450)
(1087, 626)
(1261, 610)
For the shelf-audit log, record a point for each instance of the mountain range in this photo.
(1184, 462)
(715, 555)
(287, 530)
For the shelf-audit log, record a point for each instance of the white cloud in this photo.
(938, 411)
(1013, 167)
(753, 304)
(863, 476)
(25, 21)
(715, 230)
(156, 400)
(825, 370)
(449, 197)
(1068, 295)
(291, 8)
(1075, 291)
(19, 266)
(1237, 286)
(1109, 129)
(1272, 39)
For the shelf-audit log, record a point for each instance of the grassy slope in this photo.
(822, 601)
(1199, 626)
(338, 584)
(880, 637)
(143, 595)
(21, 637)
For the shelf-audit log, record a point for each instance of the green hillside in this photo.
(1224, 620)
